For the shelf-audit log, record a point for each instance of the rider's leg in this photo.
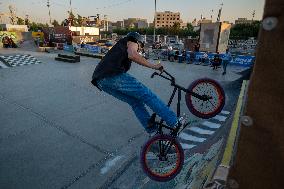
(137, 106)
(128, 85)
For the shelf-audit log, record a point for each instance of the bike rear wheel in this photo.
(205, 108)
(162, 158)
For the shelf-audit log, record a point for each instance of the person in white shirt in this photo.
(227, 58)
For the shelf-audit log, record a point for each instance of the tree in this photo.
(72, 18)
(55, 23)
(20, 21)
(37, 26)
(189, 27)
(27, 21)
(244, 31)
(79, 20)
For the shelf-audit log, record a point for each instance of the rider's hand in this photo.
(158, 67)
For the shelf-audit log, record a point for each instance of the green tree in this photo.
(79, 20)
(20, 21)
(244, 31)
(189, 27)
(55, 23)
(72, 18)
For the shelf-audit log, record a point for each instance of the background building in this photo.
(166, 19)
(243, 21)
(135, 22)
(204, 21)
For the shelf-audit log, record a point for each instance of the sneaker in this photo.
(179, 125)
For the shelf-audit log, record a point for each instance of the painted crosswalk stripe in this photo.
(211, 125)
(220, 118)
(185, 136)
(225, 112)
(187, 146)
(3, 65)
(201, 131)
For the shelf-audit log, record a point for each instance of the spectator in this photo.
(192, 57)
(5, 41)
(196, 47)
(227, 58)
(204, 58)
(216, 61)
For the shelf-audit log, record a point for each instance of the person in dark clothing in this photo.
(216, 61)
(196, 47)
(111, 76)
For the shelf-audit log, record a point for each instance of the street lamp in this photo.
(155, 22)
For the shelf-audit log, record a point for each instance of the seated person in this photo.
(216, 61)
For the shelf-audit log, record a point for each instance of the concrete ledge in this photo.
(222, 171)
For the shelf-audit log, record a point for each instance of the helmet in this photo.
(135, 37)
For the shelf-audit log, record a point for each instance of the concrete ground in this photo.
(58, 131)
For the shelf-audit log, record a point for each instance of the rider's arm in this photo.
(136, 57)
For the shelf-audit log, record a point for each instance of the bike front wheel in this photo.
(213, 102)
(162, 158)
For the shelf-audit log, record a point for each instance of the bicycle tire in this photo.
(193, 105)
(179, 160)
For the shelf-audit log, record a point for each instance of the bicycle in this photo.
(160, 149)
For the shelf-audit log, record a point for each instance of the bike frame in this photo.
(177, 89)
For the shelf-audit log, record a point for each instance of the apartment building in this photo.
(166, 19)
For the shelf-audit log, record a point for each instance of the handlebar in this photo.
(170, 77)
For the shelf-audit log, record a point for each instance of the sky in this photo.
(122, 9)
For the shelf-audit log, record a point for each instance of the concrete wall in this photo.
(224, 37)
(13, 28)
(209, 37)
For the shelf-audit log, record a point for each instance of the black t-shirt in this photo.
(116, 61)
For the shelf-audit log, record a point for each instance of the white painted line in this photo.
(187, 146)
(220, 118)
(191, 138)
(3, 65)
(201, 131)
(225, 112)
(109, 164)
(211, 125)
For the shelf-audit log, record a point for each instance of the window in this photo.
(162, 25)
(158, 18)
(158, 21)
(167, 18)
(177, 18)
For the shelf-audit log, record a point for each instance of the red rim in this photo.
(169, 175)
(221, 99)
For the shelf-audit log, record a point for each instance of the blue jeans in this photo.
(225, 63)
(127, 89)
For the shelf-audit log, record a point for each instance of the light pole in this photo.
(155, 22)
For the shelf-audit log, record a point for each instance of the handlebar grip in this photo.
(153, 74)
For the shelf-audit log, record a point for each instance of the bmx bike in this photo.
(162, 156)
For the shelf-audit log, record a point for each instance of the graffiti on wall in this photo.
(199, 168)
(11, 35)
(243, 45)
